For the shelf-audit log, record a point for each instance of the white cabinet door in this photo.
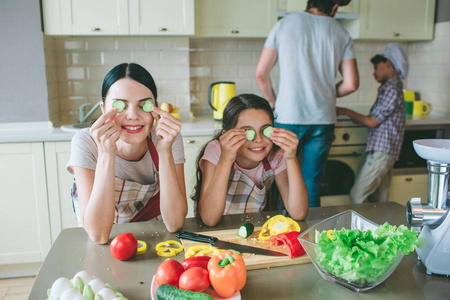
(85, 17)
(59, 184)
(404, 187)
(235, 18)
(192, 147)
(396, 20)
(161, 17)
(23, 203)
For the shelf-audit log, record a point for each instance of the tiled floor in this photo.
(16, 288)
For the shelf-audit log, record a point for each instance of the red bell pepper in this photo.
(227, 273)
(289, 239)
(196, 261)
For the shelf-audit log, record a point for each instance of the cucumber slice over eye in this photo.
(267, 132)
(246, 230)
(148, 106)
(119, 104)
(250, 134)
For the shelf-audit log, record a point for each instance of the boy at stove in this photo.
(386, 122)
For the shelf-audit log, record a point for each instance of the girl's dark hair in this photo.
(235, 106)
(325, 6)
(130, 70)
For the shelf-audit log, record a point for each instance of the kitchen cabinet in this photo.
(59, 184)
(157, 17)
(235, 18)
(393, 20)
(192, 147)
(25, 217)
(118, 17)
(404, 187)
(85, 17)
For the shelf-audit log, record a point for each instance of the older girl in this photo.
(129, 165)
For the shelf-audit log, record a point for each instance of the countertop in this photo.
(201, 124)
(73, 252)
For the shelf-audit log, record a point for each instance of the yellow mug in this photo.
(420, 108)
(409, 95)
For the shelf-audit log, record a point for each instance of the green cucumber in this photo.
(250, 134)
(119, 104)
(169, 292)
(246, 230)
(148, 106)
(267, 132)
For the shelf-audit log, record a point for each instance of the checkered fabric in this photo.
(243, 195)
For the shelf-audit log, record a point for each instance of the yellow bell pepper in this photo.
(201, 250)
(169, 248)
(276, 225)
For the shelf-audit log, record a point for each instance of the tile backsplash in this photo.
(183, 69)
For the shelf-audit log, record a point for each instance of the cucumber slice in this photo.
(267, 132)
(119, 104)
(250, 134)
(246, 230)
(148, 106)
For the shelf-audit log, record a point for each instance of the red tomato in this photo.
(195, 279)
(124, 246)
(169, 272)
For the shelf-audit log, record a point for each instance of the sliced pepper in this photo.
(329, 234)
(168, 248)
(196, 261)
(227, 273)
(276, 225)
(290, 239)
(201, 250)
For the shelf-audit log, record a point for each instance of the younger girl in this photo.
(235, 171)
(126, 168)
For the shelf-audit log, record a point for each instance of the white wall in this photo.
(23, 89)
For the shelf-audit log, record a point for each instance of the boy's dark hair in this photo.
(231, 113)
(325, 6)
(130, 70)
(377, 59)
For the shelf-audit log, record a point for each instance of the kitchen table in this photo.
(73, 252)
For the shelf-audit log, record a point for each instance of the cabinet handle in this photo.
(396, 34)
(190, 141)
(162, 29)
(234, 31)
(408, 179)
(95, 29)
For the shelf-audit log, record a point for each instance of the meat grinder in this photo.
(432, 220)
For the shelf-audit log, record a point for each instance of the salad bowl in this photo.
(358, 277)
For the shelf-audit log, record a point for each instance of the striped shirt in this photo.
(389, 112)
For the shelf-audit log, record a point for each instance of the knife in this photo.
(226, 245)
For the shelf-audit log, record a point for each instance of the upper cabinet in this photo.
(402, 20)
(85, 17)
(235, 18)
(396, 20)
(118, 17)
(161, 17)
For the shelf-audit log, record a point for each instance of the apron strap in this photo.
(266, 164)
(151, 210)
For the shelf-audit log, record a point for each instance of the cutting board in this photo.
(252, 261)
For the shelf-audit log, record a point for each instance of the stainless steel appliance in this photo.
(347, 155)
(432, 219)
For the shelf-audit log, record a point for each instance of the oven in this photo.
(347, 155)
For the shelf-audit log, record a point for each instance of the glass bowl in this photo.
(351, 220)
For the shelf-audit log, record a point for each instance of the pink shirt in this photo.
(276, 161)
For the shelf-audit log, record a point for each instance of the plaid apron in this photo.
(243, 196)
(134, 202)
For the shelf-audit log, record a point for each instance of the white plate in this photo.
(209, 291)
(437, 150)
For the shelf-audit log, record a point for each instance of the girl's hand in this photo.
(287, 141)
(105, 133)
(167, 128)
(231, 141)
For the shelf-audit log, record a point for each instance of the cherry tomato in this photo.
(195, 279)
(124, 246)
(169, 272)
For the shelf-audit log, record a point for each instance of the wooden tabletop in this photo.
(73, 252)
